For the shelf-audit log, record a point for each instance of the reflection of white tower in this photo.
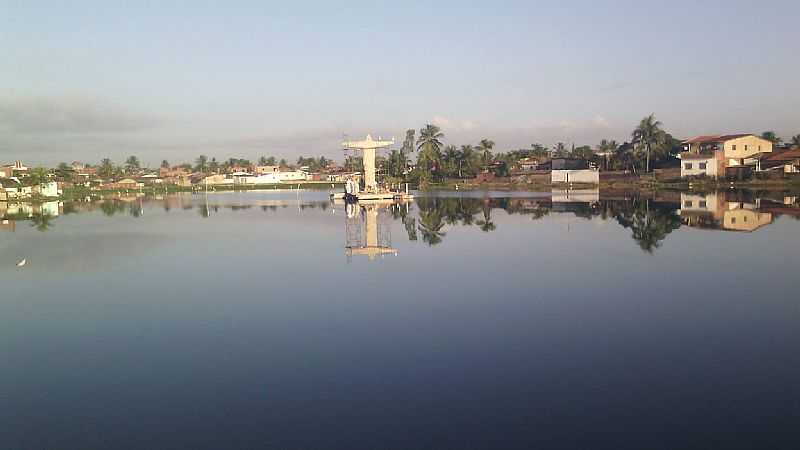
(368, 146)
(368, 231)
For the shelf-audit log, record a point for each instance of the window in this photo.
(733, 147)
(687, 204)
(745, 146)
(702, 166)
(733, 219)
(702, 204)
(687, 166)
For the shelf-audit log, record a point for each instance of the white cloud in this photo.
(447, 124)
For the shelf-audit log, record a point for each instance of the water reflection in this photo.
(650, 217)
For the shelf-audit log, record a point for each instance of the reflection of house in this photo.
(719, 155)
(712, 211)
(573, 170)
(8, 225)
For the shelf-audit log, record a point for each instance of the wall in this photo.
(575, 176)
(710, 170)
(746, 147)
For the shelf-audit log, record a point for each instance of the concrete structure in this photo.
(368, 146)
(572, 170)
(717, 153)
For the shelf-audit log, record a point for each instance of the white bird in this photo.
(22, 263)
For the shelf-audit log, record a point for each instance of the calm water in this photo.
(280, 320)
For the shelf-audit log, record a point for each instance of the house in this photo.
(126, 183)
(48, 189)
(150, 178)
(216, 180)
(573, 170)
(263, 170)
(293, 175)
(246, 178)
(723, 155)
(787, 161)
(527, 164)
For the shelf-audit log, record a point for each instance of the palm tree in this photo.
(485, 148)
(106, 168)
(164, 164)
(429, 145)
(560, 150)
(132, 163)
(451, 160)
(771, 136)
(202, 165)
(647, 135)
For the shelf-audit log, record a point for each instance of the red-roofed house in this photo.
(789, 161)
(715, 155)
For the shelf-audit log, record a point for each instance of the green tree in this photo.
(485, 147)
(202, 163)
(583, 152)
(539, 151)
(164, 164)
(271, 161)
(262, 161)
(648, 135)
(132, 164)
(450, 161)
(559, 150)
(796, 140)
(106, 169)
(283, 162)
(429, 145)
(772, 137)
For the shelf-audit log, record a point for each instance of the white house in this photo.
(573, 170)
(294, 175)
(49, 189)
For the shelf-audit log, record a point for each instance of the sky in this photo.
(85, 80)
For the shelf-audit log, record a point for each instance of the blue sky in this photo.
(87, 80)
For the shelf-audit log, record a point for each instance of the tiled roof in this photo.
(715, 138)
(788, 155)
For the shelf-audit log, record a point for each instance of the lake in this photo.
(459, 320)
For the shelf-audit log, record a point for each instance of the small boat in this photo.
(22, 263)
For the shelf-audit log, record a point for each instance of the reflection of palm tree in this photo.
(42, 222)
(430, 225)
(486, 223)
(650, 226)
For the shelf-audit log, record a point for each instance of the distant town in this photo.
(424, 160)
